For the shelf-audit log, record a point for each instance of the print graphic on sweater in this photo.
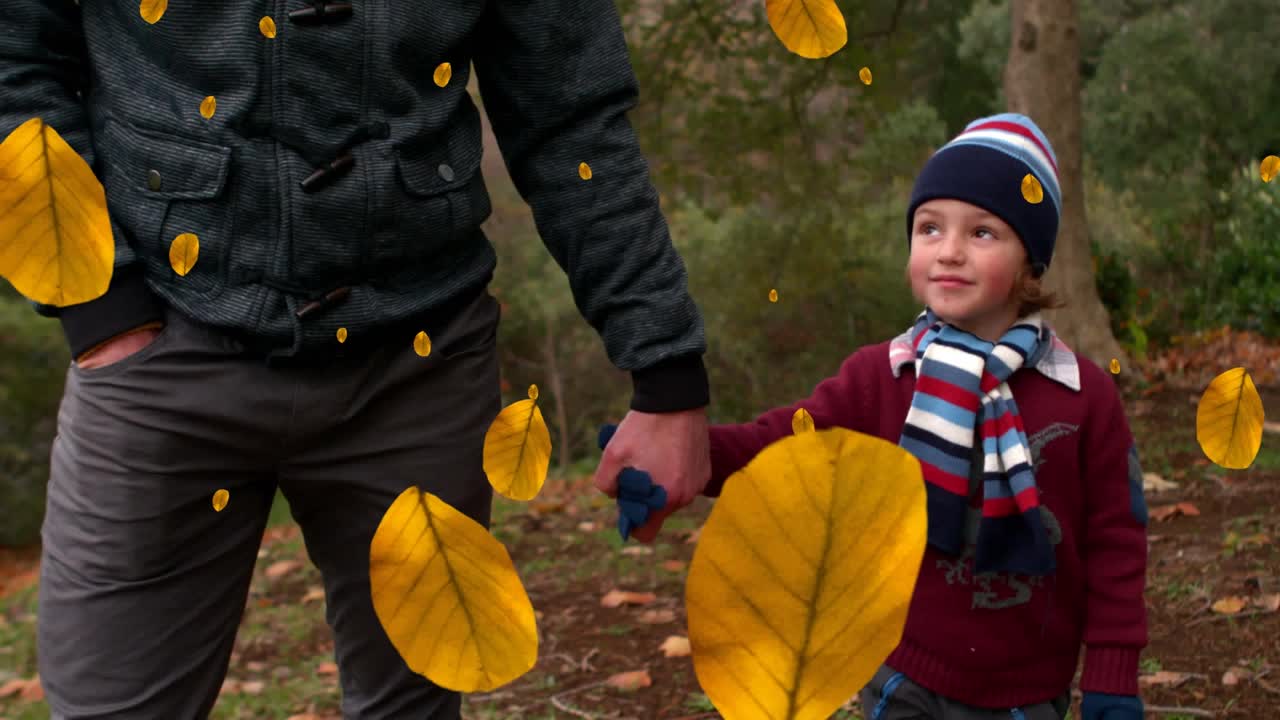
(995, 591)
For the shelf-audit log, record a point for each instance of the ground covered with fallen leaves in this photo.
(611, 618)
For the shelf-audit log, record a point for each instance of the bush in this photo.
(33, 367)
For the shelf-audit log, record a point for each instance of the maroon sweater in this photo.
(1001, 641)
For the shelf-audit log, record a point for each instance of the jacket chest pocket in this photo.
(441, 199)
(159, 189)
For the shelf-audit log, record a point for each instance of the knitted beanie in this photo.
(984, 166)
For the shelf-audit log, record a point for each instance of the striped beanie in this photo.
(984, 166)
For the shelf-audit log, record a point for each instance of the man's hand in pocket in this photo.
(119, 347)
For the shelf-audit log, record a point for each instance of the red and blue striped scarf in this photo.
(961, 381)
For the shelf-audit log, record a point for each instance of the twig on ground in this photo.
(586, 661)
(558, 702)
(1245, 614)
(1193, 712)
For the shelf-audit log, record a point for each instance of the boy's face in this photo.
(964, 261)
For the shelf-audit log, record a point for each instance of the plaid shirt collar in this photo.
(1058, 363)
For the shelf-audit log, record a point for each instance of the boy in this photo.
(1036, 517)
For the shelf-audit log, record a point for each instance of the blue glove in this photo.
(637, 495)
(1100, 706)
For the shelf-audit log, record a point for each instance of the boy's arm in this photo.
(43, 66)
(1114, 548)
(834, 402)
(556, 81)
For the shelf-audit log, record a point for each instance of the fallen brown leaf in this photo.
(657, 617)
(673, 565)
(229, 686)
(693, 537)
(588, 526)
(547, 507)
(33, 691)
(615, 598)
(1235, 675)
(327, 668)
(637, 550)
(1164, 512)
(305, 716)
(314, 593)
(1268, 426)
(633, 680)
(1229, 605)
(253, 687)
(1164, 677)
(281, 568)
(1269, 603)
(676, 646)
(13, 687)
(1154, 483)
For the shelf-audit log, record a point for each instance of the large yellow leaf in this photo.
(1229, 420)
(517, 449)
(448, 597)
(809, 28)
(803, 574)
(56, 246)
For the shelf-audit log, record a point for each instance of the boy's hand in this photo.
(672, 447)
(1100, 706)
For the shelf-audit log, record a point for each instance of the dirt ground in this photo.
(1214, 651)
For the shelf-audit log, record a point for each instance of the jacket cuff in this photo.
(1110, 670)
(126, 304)
(671, 385)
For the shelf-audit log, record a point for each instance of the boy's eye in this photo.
(927, 228)
(982, 230)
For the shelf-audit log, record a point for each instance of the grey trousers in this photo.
(893, 696)
(143, 584)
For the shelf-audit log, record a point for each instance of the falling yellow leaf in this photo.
(183, 253)
(342, 334)
(533, 392)
(1115, 366)
(267, 26)
(422, 343)
(56, 244)
(1031, 189)
(444, 71)
(153, 10)
(208, 107)
(1229, 420)
(430, 566)
(812, 29)
(801, 421)
(1269, 167)
(584, 171)
(220, 498)
(773, 296)
(797, 646)
(865, 75)
(517, 450)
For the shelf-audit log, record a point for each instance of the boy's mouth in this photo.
(950, 281)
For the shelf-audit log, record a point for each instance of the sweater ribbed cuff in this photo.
(671, 385)
(1111, 670)
(127, 304)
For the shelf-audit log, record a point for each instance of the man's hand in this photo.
(118, 347)
(672, 447)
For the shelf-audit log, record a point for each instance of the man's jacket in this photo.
(334, 161)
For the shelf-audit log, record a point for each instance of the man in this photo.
(334, 187)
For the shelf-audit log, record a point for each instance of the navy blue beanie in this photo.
(985, 166)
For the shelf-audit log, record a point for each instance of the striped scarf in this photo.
(961, 380)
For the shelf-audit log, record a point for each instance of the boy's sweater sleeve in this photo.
(834, 402)
(1114, 546)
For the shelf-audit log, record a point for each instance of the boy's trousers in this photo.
(892, 696)
(143, 584)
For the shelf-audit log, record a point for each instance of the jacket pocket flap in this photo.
(432, 172)
(188, 169)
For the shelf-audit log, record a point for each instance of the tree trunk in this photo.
(1042, 81)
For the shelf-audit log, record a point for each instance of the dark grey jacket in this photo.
(334, 162)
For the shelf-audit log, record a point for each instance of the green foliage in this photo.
(33, 367)
(1241, 281)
